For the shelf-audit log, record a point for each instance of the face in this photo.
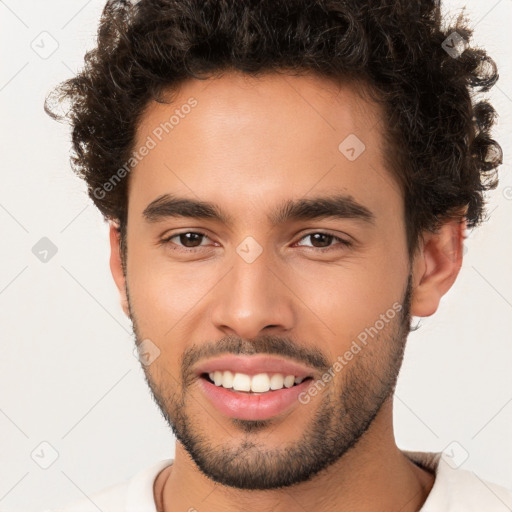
(301, 257)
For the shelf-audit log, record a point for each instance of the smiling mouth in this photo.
(206, 377)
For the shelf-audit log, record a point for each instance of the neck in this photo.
(373, 475)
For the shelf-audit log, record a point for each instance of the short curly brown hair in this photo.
(441, 151)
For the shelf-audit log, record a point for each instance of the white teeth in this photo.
(241, 382)
(289, 381)
(217, 378)
(277, 381)
(227, 379)
(260, 383)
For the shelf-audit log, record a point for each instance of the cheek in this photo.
(351, 296)
(162, 292)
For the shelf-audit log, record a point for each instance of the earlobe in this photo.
(436, 267)
(116, 266)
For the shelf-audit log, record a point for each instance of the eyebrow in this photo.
(338, 206)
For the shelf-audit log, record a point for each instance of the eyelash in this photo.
(342, 242)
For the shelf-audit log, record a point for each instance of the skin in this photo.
(247, 146)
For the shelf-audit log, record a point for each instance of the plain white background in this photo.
(68, 376)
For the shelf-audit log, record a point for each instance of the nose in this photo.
(253, 297)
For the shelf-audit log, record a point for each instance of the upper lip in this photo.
(252, 365)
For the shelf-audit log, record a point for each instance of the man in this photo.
(287, 183)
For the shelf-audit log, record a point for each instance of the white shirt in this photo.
(454, 490)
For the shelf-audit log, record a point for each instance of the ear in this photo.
(436, 266)
(116, 266)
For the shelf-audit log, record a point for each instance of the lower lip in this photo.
(252, 406)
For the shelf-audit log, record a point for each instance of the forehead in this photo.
(295, 107)
(239, 140)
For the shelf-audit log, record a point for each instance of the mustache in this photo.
(267, 345)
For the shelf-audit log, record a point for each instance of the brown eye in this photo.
(190, 239)
(186, 240)
(321, 240)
